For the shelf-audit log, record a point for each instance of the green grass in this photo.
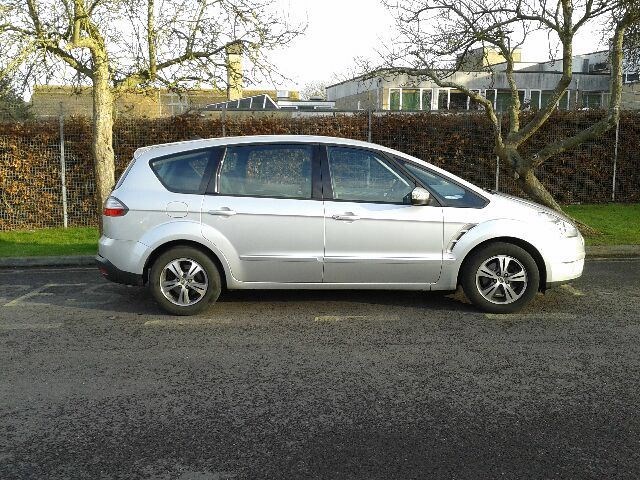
(619, 224)
(49, 241)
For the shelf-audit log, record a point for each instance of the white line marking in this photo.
(29, 326)
(530, 316)
(337, 318)
(182, 322)
(572, 290)
(39, 291)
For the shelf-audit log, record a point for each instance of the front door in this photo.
(263, 214)
(373, 234)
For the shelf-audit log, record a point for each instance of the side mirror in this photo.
(420, 196)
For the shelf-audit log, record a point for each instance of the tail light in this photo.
(114, 208)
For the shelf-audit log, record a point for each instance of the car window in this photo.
(362, 176)
(453, 194)
(282, 171)
(182, 173)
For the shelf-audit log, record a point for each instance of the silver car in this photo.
(306, 212)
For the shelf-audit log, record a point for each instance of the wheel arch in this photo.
(159, 250)
(528, 247)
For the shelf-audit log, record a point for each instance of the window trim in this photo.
(316, 175)
(208, 170)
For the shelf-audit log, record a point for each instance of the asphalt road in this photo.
(97, 383)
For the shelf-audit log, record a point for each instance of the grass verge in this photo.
(49, 241)
(619, 224)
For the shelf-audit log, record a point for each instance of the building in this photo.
(50, 99)
(482, 71)
(153, 102)
(264, 102)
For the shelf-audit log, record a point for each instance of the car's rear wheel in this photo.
(184, 281)
(500, 278)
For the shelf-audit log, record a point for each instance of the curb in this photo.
(612, 251)
(599, 252)
(61, 261)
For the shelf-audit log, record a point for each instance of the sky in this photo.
(340, 30)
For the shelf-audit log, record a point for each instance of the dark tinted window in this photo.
(451, 193)
(363, 176)
(182, 173)
(282, 171)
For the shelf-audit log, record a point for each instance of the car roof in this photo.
(159, 149)
(176, 147)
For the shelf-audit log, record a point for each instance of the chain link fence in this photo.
(46, 165)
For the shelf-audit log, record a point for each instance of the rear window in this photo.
(183, 172)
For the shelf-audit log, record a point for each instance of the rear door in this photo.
(373, 234)
(266, 211)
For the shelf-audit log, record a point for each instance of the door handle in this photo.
(348, 217)
(223, 212)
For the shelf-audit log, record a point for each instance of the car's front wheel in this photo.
(500, 278)
(184, 281)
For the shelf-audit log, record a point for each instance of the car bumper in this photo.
(111, 272)
(566, 261)
(118, 260)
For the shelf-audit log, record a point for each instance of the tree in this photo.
(12, 105)
(440, 37)
(120, 45)
(632, 48)
(315, 89)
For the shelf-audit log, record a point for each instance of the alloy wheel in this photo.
(501, 279)
(183, 282)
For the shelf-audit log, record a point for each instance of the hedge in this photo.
(30, 187)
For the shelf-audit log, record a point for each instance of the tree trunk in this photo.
(104, 159)
(530, 185)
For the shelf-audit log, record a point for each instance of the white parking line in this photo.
(530, 316)
(39, 291)
(185, 322)
(29, 326)
(338, 318)
(572, 290)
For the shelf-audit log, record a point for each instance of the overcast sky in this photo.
(339, 30)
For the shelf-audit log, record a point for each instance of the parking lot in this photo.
(96, 382)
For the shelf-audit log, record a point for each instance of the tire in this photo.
(171, 276)
(488, 289)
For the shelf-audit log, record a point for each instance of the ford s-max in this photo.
(307, 212)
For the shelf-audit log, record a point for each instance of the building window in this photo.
(425, 99)
(410, 99)
(491, 95)
(443, 99)
(535, 97)
(458, 100)
(503, 100)
(175, 104)
(563, 103)
(592, 100)
(631, 77)
(394, 99)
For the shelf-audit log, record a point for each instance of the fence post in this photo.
(224, 120)
(615, 161)
(63, 169)
(497, 157)
(369, 131)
